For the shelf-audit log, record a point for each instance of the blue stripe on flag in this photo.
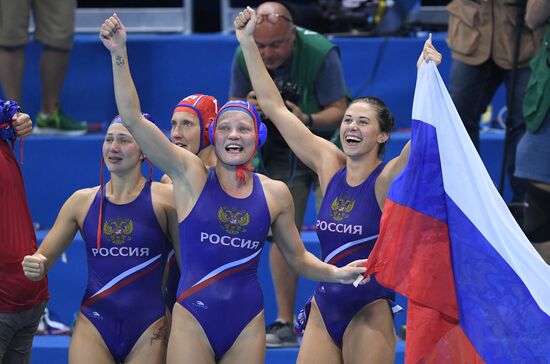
(422, 175)
(497, 312)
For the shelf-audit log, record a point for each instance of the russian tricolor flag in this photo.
(477, 289)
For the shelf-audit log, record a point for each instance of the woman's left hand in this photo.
(429, 53)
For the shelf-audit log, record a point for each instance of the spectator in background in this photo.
(533, 158)
(481, 37)
(307, 69)
(54, 23)
(22, 302)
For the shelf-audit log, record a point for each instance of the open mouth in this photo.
(353, 139)
(233, 148)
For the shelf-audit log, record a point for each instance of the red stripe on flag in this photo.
(120, 284)
(454, 347)
(216, 278)
(412, 256)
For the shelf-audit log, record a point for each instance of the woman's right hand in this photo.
(34, 266)
(245, 24)
(113, 33)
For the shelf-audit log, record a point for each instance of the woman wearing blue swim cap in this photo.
(225, 213)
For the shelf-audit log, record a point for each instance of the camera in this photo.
(349, 16)
(289, 91)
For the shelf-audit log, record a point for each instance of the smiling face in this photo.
(120, 150)
(360, 131)
(235, 138)
(186, 131)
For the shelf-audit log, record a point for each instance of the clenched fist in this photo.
(34, 266)
(22, 124)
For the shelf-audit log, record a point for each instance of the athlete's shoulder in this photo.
(165, 179)
(270, 183)
(161, 187)
(275, 189)
(163, 192)
(79, 202)
(84, 194)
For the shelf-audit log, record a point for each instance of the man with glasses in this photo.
(306, 67)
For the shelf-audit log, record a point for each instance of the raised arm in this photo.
(396, 165)
(300, 260)
(312, 150)
(391, 170)
(168, 157)
(59, 238)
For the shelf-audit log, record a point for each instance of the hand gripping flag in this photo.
(477, 289)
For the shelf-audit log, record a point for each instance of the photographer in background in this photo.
(307, 70)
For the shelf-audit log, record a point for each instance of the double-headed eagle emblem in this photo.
(232, 220)
(341, 207)
(119, 230)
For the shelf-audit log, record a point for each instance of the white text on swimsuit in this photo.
(233, 241)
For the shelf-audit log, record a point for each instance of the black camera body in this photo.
(289, 91)
(275, 143)
(360, 18)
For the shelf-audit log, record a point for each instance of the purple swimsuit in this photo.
(124, 296)
(221, 243)
(347, 227)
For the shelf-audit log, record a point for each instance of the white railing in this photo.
(144, 20)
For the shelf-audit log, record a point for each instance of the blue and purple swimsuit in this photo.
(347, 227)
(124, 295)
(221, 243)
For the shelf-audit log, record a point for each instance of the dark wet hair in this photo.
(383, 115)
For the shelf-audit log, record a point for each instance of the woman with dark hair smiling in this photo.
(344, 325)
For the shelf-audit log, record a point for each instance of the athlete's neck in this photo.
(208, 156)
(227, 175)
(358, 170)
(125, 188)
